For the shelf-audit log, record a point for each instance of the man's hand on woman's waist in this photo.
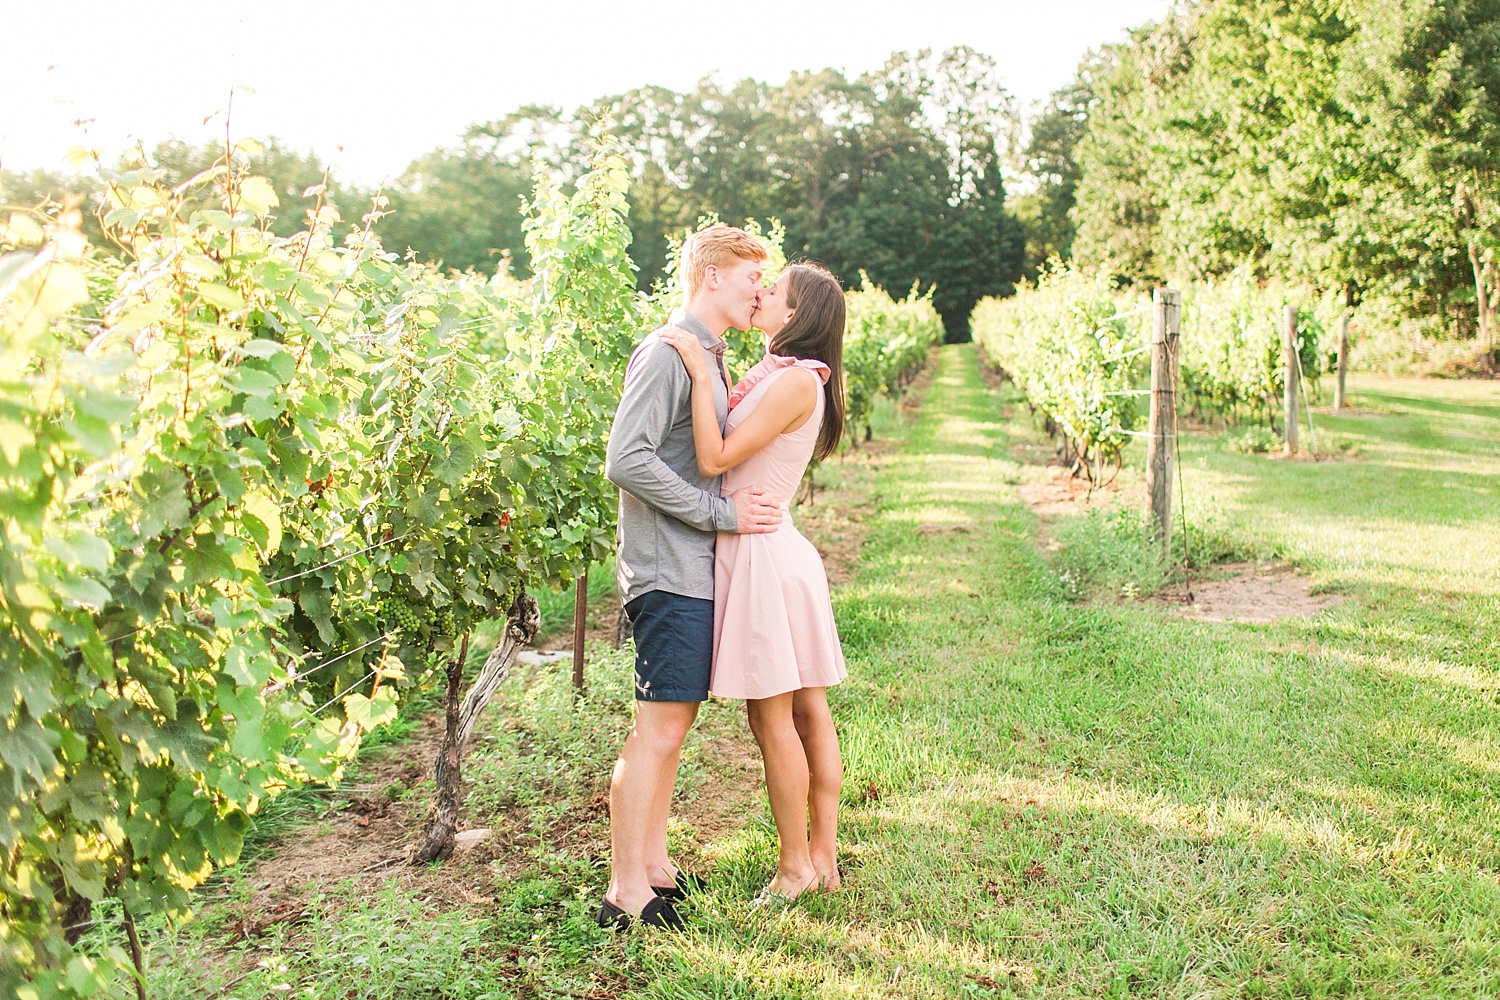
(755, 512)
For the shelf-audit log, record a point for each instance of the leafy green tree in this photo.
(649, 122)
(1341, 145)
(1120, 194)
(45, 189)
(460, 207)
(1425, 78)
(1050, 168)
(246, 479)
(301, 181)
(896, 173)
(977, 246)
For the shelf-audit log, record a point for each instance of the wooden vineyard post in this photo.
(1161, 433)
(1289, 407)
(1338, 391)
(580, 612)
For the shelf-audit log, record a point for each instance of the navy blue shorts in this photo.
(674, 646)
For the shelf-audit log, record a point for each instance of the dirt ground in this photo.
(1255, 593)
(1058, 493)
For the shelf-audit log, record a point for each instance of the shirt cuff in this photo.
(724, 517)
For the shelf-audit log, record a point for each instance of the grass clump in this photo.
(385, 945)
(1109, 554)
(1112, 555)
(1253, 441)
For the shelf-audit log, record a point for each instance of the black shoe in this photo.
(658, 913)
(682, 884)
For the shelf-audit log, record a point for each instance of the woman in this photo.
(775, 642)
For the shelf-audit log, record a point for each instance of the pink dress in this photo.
(773, 619)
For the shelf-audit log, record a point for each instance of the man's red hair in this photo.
(719, 245)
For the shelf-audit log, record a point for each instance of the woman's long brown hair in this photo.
(816, 331)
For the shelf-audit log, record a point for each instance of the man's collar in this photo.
(687, 321)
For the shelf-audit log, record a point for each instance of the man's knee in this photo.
(662, 727)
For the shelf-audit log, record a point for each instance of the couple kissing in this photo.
(723, 594)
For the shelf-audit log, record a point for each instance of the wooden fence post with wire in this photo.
(1161, 433)
(580, 617)
(1292, 375)
(1343, 362)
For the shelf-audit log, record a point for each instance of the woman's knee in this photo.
(769, 715)
(810, 710)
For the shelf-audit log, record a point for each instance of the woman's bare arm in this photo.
(789, 401)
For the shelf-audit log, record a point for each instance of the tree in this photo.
(39, 189)
(1423, 77)
(300, 180)
(1122, 183)
(1345, 144)
(1049, 166)
(461, 207)
(972, 247)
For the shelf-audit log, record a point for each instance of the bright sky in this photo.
(370, 86)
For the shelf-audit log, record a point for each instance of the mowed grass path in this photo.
(1045, 799)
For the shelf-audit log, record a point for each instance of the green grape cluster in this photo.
(107, 760)
(452, 623)
(399, 612)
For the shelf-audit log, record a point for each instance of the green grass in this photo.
(1046, 798)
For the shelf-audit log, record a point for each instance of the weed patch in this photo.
(1253, 441)
(1108, 555)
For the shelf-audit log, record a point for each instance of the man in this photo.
(669, 516)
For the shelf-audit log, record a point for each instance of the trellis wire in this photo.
(383, 637)
(319, 710)
(334, 562)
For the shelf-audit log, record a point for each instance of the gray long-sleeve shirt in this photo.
(669, 514)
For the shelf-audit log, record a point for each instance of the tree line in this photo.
(1348, 146)
(896, 173)
(1345, 145)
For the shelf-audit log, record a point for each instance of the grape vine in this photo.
(1075, 354)
(886, 344)
(246, 480)
(1075, 347)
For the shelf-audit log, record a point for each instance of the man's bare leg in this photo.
(659, 867)
(655, 738)
(825, 765)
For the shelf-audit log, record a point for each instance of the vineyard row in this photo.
(1076, 348)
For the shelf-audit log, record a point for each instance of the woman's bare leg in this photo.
(820, 745)
(786, 785)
